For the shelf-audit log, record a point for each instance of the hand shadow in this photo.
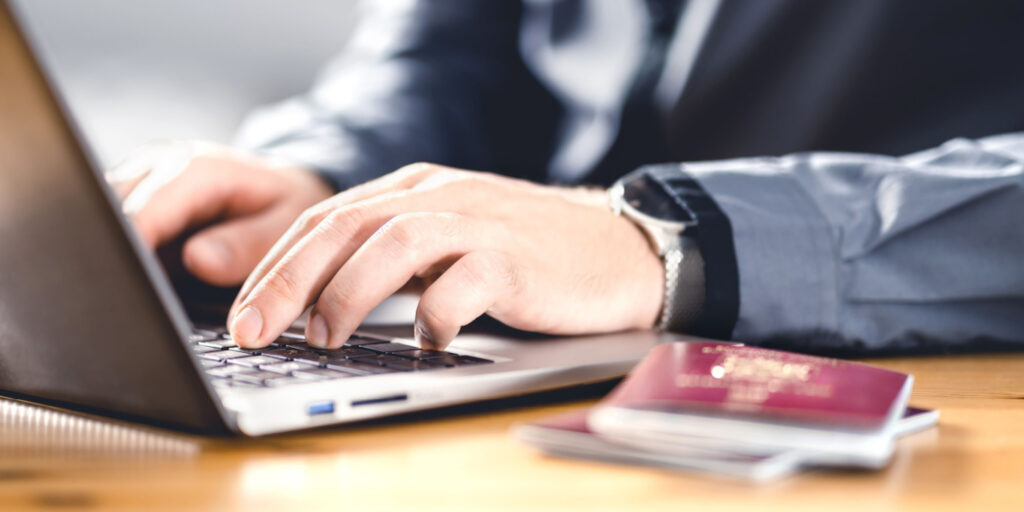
(204, 303)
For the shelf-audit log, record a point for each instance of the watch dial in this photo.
(649, 198)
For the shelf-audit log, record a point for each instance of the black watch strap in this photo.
(715, 242)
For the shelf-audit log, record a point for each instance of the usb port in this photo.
(321, 408)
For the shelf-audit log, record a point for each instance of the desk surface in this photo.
(466, 460)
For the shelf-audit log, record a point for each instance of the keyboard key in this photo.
(457, 360)
(473, 360)
(321, 374)
(254, 361)
(199, 349)
(359, 339)
(222, 355)
(287, 367)
(391, 361)
(389, 347)
(254, 377)
(360, 368)
(304, 356)
(206, 363)
(220, 344)
(346, 352)
(414, 364)
(250, 351)
(294, 344)
(293, 336)
(423, 354)
(285, 353)
(225, 370)
(203, 335)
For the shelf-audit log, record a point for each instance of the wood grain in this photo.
(464, 460)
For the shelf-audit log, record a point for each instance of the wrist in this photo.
(670, 231)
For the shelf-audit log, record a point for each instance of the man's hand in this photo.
(534, 257)
(245, 203)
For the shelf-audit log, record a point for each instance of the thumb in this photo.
(224, 254)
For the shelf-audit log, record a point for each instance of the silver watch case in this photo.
(667, 238)
(665, 235)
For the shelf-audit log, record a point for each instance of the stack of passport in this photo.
(741, 411)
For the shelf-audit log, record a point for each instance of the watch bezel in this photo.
(620, 206)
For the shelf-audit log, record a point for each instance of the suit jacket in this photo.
(840, 244)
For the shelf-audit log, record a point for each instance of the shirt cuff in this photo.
(784, 259)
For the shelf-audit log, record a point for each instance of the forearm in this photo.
(870, 251)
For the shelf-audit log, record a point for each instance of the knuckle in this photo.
(409, 232)
(476, 189)
(282, 285)
(417, 168)
(403, 231)
(506, 269)
(310, 218)
(483, 267)
(456, 179)
(336, 301)
(342, 222)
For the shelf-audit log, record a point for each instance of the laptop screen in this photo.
(81, 322)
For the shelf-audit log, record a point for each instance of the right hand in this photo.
(242, 202)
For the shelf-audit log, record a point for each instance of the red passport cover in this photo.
(762, 384)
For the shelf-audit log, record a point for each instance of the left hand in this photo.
(537, 258)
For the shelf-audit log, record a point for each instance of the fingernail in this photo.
(316, 331)
(423, 336)
(246, 327)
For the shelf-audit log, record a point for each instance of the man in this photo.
(831, 249)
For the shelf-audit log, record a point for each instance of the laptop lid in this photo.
(87, 319)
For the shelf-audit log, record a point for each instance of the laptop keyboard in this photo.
(289, 360)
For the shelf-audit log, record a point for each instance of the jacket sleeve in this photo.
(861, 253)
(419, 81)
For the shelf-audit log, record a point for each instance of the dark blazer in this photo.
(449, 81)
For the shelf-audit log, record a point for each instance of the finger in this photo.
(224, 254)
(128, 173)
(403, 179)
(404, 246)
(329, 239)
(124, 187)
(162, 160)
(164, 205)
(478, 283)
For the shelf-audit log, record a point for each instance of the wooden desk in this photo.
(974, 460)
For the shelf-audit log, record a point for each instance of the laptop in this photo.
(89, 320)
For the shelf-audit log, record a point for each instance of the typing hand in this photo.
(243, 204)
(534, 257)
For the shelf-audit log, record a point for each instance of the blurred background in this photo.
(157, 69)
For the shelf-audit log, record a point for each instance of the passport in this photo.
(756, 402)
(568, 435)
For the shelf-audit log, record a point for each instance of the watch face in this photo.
(648, 198)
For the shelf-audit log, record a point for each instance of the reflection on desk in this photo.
(30, 430)
(464, 459)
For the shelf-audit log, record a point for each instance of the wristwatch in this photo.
(671, 229)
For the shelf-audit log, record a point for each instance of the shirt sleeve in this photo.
(861, 253)
(419, 81)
